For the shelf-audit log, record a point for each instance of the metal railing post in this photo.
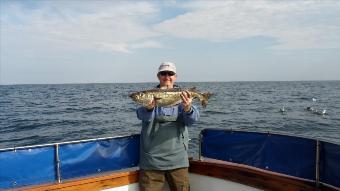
(317, 165)
(57, 161)
(200, 158)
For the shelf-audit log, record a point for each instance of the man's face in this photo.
(167, 78)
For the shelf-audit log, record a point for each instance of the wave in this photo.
(66, 112)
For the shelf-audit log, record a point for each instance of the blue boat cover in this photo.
(83, 159)
(330, 163)
(26, 167)
(278, 153)
(33, 166)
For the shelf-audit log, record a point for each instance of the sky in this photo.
(55, 42)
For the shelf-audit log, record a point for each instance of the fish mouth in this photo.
(133, 96)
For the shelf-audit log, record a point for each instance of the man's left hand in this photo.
(187, 100)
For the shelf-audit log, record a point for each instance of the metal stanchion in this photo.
(317, 166)
(200, 158)
(57, 165)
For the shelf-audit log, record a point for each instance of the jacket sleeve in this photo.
(145, 115)
(190, 117)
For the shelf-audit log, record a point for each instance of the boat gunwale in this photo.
(130, 174)
(255, 172)
(264, 179)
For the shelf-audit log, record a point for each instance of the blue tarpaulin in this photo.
(89, 158)
(330, 163)
(278, 153)
(33, 166)
(26, 167)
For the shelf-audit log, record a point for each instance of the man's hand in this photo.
(187, 100)
(149, 106)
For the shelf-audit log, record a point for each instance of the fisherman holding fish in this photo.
(164, 134)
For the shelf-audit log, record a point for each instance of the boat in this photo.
(228, 160)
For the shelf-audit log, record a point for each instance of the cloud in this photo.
(124, 26)
(147, 44)
(294, 24)
(114, 47)
(98, 25)
(126, 48)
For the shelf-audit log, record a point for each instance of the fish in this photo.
(168, 97)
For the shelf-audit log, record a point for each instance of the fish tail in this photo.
(205, 98)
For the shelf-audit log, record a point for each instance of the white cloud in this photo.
(114, 47)
(99, 25)
(295, 24)
(125, 47)
(124, 26)
(147, 44)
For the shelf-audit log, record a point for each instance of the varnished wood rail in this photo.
(242, 174)
(90, 183)
(254, 177)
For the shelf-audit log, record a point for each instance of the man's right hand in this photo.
(149, 106)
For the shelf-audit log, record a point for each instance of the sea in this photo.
(51, 113)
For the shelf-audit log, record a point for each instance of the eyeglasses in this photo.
(164, 73)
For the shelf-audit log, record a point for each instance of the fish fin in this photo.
(205, 99)
(194, 89)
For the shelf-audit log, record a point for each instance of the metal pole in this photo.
(57, 166)
(200, 147)
(317, 165)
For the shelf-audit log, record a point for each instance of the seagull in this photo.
(310, 109)
(323, 112)
(283, 109)
(315, 111)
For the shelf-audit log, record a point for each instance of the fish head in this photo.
(136, 96)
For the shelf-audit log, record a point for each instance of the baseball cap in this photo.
(167, 66)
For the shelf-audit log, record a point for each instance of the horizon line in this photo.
(75, 83)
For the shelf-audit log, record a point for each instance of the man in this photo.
(164, 138)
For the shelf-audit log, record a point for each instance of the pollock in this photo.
(168, 97)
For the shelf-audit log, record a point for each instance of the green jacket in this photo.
(164, 137)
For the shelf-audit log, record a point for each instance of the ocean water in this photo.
(39, 114)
